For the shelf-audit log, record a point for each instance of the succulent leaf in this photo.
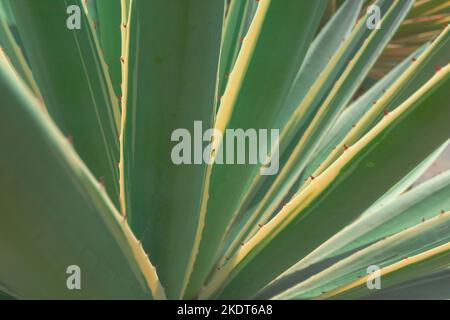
(55, 214)
(122, 127)
(74, 83)
(271, 54)
(182, 69)
(325, 199)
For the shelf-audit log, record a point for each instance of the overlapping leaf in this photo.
(171, 83)
(56, 215)
(73, 81)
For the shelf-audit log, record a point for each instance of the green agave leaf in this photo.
(421, 203)
(306, 108)
(407, 181)
(271, 55)
(420, 69)
(420, 238)
(11, 49)
(318, 56)
(326, 60)
(320, 53)
(328, 112)
(351, 115)
(239, 16)
(428, 287)
(394, 215)
(432, 261)
(125, 16)
(76, 89)
(4, 296)
(329, 12)
(428, 7)
(412, 26)
(171, 83)
(407, 210)
(414, 77)
(91, 6)
(250, 14)
(126, 5)
(6, 12)
(307, 104)
(363, 170)
(109, 23)
(55, 214)
(332, 250)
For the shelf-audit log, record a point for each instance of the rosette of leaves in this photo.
(86, 176)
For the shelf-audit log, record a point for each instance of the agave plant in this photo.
(86, 177)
